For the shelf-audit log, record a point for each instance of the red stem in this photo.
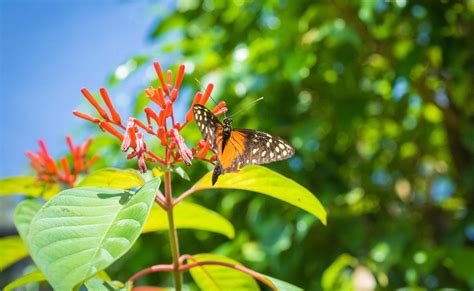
(170, 268)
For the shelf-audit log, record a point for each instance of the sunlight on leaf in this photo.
(84, 230)
(190, 216)
(113, 178)
(29, 186)
(12, 249)
(36, 276)
(262, 180)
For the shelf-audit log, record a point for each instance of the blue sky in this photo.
(49, 50)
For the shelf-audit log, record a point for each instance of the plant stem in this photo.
(178, 277)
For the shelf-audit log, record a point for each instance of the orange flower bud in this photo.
(113, 112)
(179, 77)
(105, 126)
(86, 117)
(207, 94)
(94, 103)
(159, 72)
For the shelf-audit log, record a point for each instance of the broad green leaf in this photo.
(190, 216)
(262, 180)
(211, 277)
(113, 178)
(36, 276)
(12, 249)
(24, 213)
(83, 230)
(29, 186)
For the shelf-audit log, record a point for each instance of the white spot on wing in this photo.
(254, 150)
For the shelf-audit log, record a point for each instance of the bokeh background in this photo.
(376, 97)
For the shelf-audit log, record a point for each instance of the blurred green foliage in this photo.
(377, 99)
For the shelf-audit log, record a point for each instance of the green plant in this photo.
(80, 231)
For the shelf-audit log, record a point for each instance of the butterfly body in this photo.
(236, 147)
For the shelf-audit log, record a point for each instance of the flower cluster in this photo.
(50, 171)
(160, 122)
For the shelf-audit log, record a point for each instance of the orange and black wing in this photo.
(251, 147)
(208, 124)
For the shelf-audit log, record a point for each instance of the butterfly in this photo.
(237, 147)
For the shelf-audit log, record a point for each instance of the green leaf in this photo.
(83, 230)
(113, 178)
(36, 276)
(168, 23)
(181, 172)
(461, 263)
(189, 216)
(214, 277)
(219, 277)
(282, 285)
(29, 186)
(332, 273)
(24, 213)
(12, 249)
(262, 180)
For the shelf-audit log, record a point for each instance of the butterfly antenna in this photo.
(201, 88)
(247, 106)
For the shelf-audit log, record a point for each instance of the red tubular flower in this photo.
(47, 169)
(113, 112)
(207, 94)
(179, 78)
(162, 136)
(170, 77)
(129, 140)
(169, 109)
(48, 161)
(196, 100)
(86, 146)
(206, 146)
(174, 95)
(159, 72)
(220, 108)
(94, 103)
(67, 172)
(156, 95)
(86, 117)
(141, 149)
(185, 153)
(168, 133)
(150, 114)
(105, 126)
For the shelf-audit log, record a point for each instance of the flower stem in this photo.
(178, 277)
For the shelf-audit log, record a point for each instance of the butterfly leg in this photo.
(217, 172)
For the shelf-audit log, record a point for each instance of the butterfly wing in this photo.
(208, 124)
(251, 147)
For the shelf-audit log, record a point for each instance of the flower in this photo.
(48, 170)
(160, 122)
